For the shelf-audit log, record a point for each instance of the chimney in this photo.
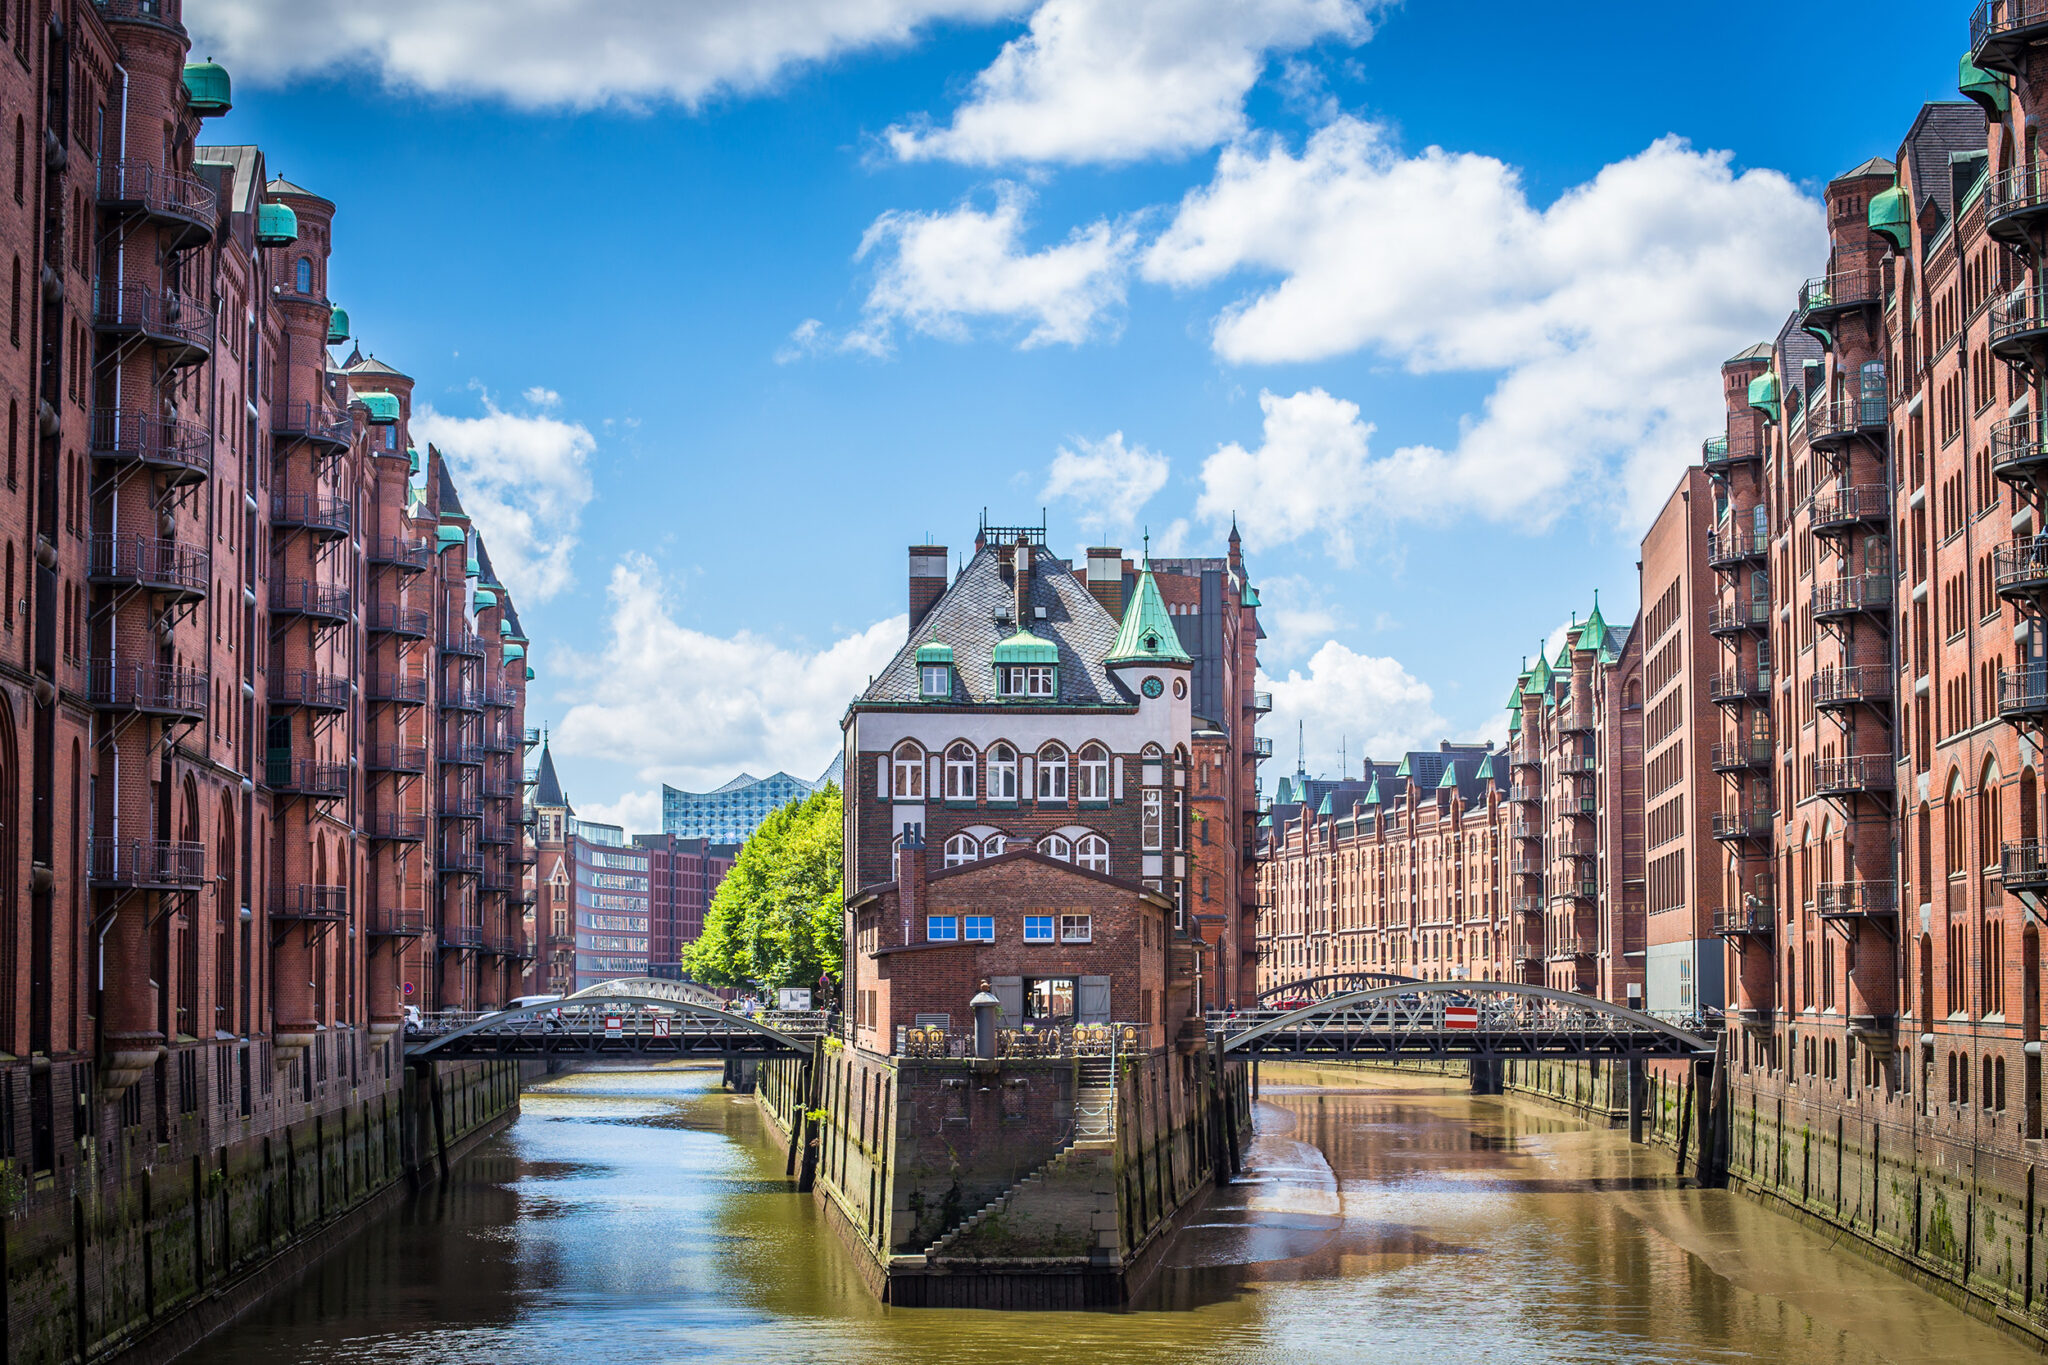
(910, 870)
(927, 581)
(1020, 576)
(1106, 578)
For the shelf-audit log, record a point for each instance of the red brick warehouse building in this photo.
(1045, 716)
(261, 699)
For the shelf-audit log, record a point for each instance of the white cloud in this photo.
(691, 708)
(577, 54)
(525, 480)
(1605, 316)
(1350, 704)
(1311, 475)
(1109, 480)
(635, 812)
(938, 272)
(807, 338)
(1120, 80)
(1297, 615)
(542, 398)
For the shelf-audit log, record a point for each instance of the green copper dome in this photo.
(1988, 88)
(1026, 648)
(383, 408)
(486, 598)
(1763, 395)
(514, 652)
(276, 225)
(413, 453)
(1147, 635)
(529, 673)
(207, 89)
(472, 568)
(337, 327)
(935, 652)
(1891, 217)
(504, 627)
(446, 537)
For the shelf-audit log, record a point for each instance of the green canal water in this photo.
(641, 1217)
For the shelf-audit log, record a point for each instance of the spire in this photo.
(1147, 634)
(547, 790)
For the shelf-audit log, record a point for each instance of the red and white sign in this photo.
(660, 1027)
(1464, 1017)
(614, 1026)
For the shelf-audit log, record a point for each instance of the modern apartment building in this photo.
(683, 875)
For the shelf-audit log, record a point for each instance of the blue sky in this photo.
(718, 306)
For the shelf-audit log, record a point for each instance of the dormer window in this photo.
(1027, 680)
(937, 680)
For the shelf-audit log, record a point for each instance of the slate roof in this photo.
(547, 790)
(965, 618)
(1760, 351)
(1942, 130)
(451, 504)
(372, 365)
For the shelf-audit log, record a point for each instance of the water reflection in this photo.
(638, 1216)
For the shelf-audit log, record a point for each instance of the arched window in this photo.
(1054, 846)
(1952, 826)
(907, 782)
(960, 772)
(994, 845)
(1052, 773)
(1092, 852)
(961, 848)
(1002, 773)
(1093, 775)
(303, 275)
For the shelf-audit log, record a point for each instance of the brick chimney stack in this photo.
(1106, 578)
(910, 873)
(1020, 576)
(927, 581)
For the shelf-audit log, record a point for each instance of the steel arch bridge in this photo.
(1321, 988)
(638, 1017)
(1486, 1020)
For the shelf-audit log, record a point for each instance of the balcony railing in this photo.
(1747, 919)
(2019, 324)
(1525, 792)
(1870, 592)
(403, 688)
(1526, 829)
(1726, 618)
(2019, 449)
(497, 834)
(301, 597)
(1738, 446)
(184, 202)
(2023, 693)
(1856, 900)
(143, 864)
(2014, 200)
(462, 936)
(1574, 720)
(153, 689)
(398, 922)
(1262, 746)
(462, 755)
(2020, 569)
(180, 327)
(1526, 867)
(389, 618)
(1856, 773)
(468, 861)
(1260, 704)
(307, 777)
(394, 827)
(463, 642)
(461, 806)
(1739, 685)
(325, 516)
(501, 698)
(402, 553)
(1857, 684)
(1753, 823)
(1735, 546)
(1840, 509)
(181, 450)
(396, 758)
(1845, 289)
(2002, 30)
(163, 566)
(1741, 754)
(310, 902)
(308, 421)
(1838, 420)
(304, 687)
(2024, 866)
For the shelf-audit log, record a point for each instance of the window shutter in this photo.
(1009, 992)
(1091, 1004)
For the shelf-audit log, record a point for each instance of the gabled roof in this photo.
(372, 365)
(965, 617)
(280, 185)
(1760, 351)
(1877, 165)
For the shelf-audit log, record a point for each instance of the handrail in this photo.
(148, 559)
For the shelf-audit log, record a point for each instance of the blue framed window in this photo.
(981, 929)
(941, 928)
(1038, 928)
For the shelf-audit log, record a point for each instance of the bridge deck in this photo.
(619, 1030)
(1485, 1020)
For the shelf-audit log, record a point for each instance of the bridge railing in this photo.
(1494, 1018)
(1036, 1041)
(595, 1018)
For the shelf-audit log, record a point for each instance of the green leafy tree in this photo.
(775, 920)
